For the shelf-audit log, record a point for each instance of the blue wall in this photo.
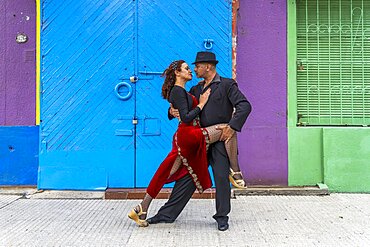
(19, 155)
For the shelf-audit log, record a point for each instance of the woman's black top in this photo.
(181, 100)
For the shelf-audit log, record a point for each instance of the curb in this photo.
(135, 194)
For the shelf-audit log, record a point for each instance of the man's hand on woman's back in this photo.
(174, 112)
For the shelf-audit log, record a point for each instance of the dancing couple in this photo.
(209, 115)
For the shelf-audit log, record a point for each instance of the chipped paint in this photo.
(235, 9)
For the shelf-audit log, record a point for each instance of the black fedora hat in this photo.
(205, 57)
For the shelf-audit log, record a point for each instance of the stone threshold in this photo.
(319, 190)
(163, 194)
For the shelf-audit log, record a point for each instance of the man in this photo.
(224, 97)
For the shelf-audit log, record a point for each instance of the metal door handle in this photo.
(208, 43)
(123, 84)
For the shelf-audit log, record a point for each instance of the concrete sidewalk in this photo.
(335, 220)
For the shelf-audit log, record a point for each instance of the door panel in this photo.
(87, 136)
(168, 32)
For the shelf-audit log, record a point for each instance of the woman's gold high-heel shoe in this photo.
(238, 183)
(135, 217)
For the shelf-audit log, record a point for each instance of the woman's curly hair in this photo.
(170, 77)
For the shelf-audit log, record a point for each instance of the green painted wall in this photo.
(305, 156)
(336, 156)
(347, 159)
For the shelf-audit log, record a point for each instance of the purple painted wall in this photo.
(262, 75)
(17, 62)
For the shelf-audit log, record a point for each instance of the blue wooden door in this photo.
(103, 121)
(171, 30)
(87, 136)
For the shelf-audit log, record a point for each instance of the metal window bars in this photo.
(333, 62)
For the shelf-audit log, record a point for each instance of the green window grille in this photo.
(333, 62)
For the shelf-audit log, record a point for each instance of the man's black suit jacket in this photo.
(225, 95)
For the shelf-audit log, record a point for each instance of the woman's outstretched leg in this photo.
(145, 203)
(139, 213)
(232, 151)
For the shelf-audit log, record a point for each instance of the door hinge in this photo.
(134, 121)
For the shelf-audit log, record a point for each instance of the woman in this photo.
(190, 142)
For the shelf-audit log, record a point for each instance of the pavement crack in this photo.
(11, 202)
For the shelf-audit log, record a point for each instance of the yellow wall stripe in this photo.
(38, 64)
